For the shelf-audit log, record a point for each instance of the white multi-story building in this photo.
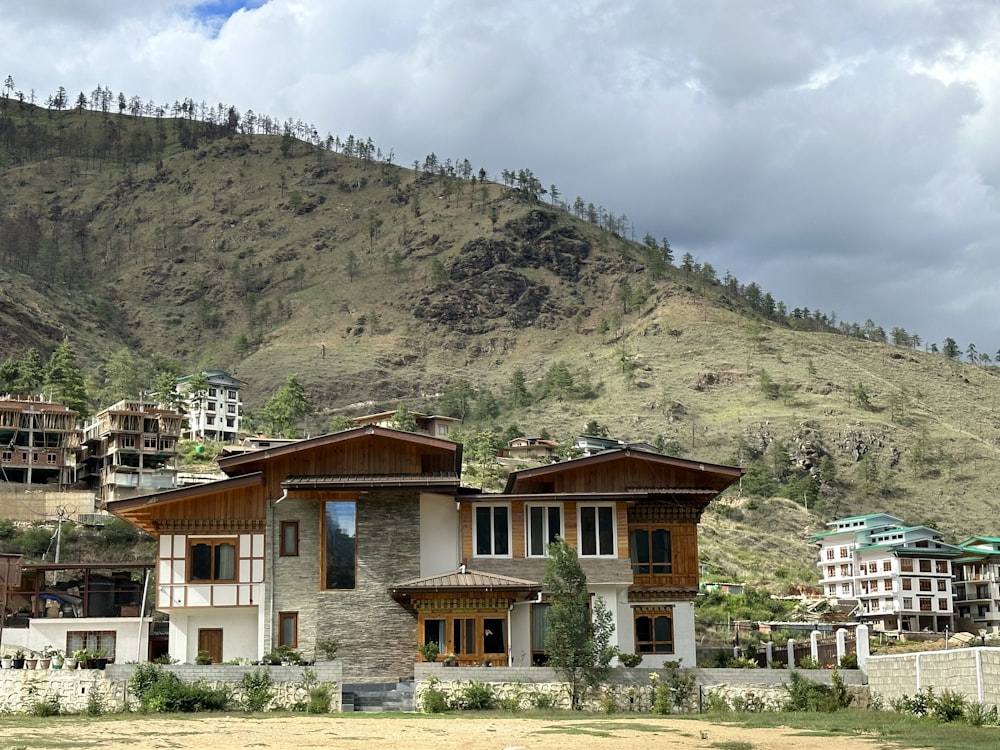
(977, 584)
(900, 576)
(214, 412)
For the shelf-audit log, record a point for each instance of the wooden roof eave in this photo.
(727, 474)
(140, 511)
(629, 495)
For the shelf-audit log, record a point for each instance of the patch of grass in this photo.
(732, 745)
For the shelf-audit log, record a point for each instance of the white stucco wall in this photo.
(520, 635)
(440, 534)
(51, 632)
(240, 632)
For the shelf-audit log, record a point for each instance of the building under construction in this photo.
(129, 449)
(38, 442)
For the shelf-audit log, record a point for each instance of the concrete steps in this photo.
(378, 697)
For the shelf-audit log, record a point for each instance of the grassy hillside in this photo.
(376, 285)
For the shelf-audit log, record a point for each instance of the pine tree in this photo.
(64, 383)
(286, 408)
(403, 420)
(577, 644)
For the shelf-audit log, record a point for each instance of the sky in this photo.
(843, 154)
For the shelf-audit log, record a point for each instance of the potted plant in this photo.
(99, 658)
(429, 651)
(83, 657)
(450, 660)
(18, 662)
(55, 657)
(30, 662)
(328, 648)
(6, 662)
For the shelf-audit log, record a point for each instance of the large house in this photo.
(977, 584)
(901, 576)
(38, 442)
(367, 537)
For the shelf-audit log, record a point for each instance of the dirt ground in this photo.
(412, 733)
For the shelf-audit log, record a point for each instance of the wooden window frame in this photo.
(467, 657)
(654, 647)
(323, 546)
(666, 567)
(284, 550)
(293, 618)
(213, 542)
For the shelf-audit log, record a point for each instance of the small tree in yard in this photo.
(578, 642)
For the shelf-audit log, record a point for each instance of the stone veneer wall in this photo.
(377, 636)
(631, 689)
(20, 689)
(973, 672)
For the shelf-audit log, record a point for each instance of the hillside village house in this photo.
(367, 537)
(901, 576)
(977, 584)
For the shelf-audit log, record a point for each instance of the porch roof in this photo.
(464, 580)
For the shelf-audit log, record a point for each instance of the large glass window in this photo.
(597, 531)
(212, 560)
(650, 551)
(288, 629)
(492, 530)
(340, 569)
(544, 524)
(654, 633)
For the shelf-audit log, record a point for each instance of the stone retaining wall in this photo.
(21, 689)
(629, 689)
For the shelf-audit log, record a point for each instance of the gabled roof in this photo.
(141, 511)
(464, 580)
(255, 460)
(691, 477)
(442, 480)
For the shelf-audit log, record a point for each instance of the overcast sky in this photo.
(845, 155)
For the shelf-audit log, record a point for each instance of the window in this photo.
(887, 565)
(211, 406)
(925, 584)
(7, 456)
(210, 419)
(128, 441)
(597, 531)
(829, 554)
(212, 392)
(845, 588)
(650, 551)
(289, 538)
(288, 629)
(232, 393)
(92, 640)
(831, 590)
(231, 408)
(906, 564)
(470, 638)
(887, 585)
(340, 570)
(831, 571)
(149, 442)
(941, 566)
(843, 570)
(844, 551)
(212, 560)
(654, 633)
(942, 585)
(942, 605)
(907, 584)
(544, 524)
(907, 603)
(51, 458)
(492, 532)
(925, 566)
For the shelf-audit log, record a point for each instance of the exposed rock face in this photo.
(487, 288)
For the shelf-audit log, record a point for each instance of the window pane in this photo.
(538, 626)
(493, 640)
(484, 531)
(661, 551)
(555, 524)
(588, 531)
(289, 538)
(501, 545)
(341, 537)
(606, 519)
(434, 633)
(201, 562)
(536, 531)
(639, 550)
(288, 635)
(225, 562)
(662, 629)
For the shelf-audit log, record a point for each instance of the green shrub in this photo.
(541, 700)
(947, 707)
(630, 660)
(808, 695)
(48, 707)
(95, 703)
(319, 699)
(981, 714)
(676, 690)
(256, 690)
(203, 657)
(433, 700)
(478, 696)
(849, 661)
(160, 691)
(609, 705)
(807, 662)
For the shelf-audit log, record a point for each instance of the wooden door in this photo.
(210, 640)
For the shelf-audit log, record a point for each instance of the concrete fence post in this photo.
(863, 647)
(814, 645)
(841, 644)
(791, 652)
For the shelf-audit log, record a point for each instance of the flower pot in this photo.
(6, 663)
(30, 663)
(57, 664)
(99, 663)
(70, 664)
(43, 663)
(18, 663)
